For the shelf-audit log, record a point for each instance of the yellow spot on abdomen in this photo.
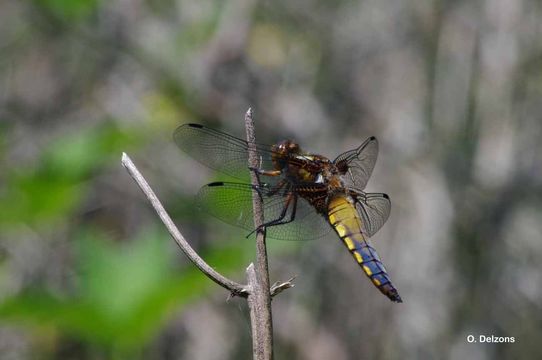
(367, 270)
(349, 243)
(358, 257)
(341, 230)
(332, 219)
(376, 281)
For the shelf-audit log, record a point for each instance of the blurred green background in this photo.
(452, 90)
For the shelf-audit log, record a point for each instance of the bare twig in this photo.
(232, 286)
(260, 299)
(279, 287)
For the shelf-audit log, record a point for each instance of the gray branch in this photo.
(259, 300)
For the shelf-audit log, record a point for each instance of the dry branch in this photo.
(260, 299)
(258, 291)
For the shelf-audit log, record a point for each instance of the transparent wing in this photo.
(218, 150)
(358, 164)
(374, 209)
(232, 203)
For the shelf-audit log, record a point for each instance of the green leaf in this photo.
(125, 293)
(116, 278)
(72, 10)
(76, 156)
(55, 187)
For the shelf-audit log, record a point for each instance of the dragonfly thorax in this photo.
(300, 167)
(288, 158)
(329, 175)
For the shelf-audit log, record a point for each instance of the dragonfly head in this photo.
(285, 148)
(282, 150)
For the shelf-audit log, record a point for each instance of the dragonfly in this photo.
(305, 195)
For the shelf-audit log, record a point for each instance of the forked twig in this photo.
(258, 292)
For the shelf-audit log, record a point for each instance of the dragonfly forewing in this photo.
(220, 151)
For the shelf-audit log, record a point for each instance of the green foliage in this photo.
(51, 190)
(72, 10)
(121, 295)
(124, 293)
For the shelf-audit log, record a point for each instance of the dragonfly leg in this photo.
(291, 200)
(276, 188)
(260, 171)
(262, 189)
